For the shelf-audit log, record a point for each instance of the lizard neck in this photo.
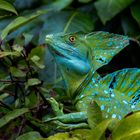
(85, 82)
(72, 82)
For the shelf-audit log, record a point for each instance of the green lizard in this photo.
(78, 56)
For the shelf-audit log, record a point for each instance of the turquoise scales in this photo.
(116, 96)
(78, 56)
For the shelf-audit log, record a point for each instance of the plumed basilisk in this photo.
(78, 57)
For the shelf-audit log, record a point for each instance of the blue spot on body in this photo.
(112, 95)
(132, 106)
(119, 117)
(93, 80)
(105, 91)
(130, 93)
(108, 110)
(113, 115)
(102, 107)
(109, 44)
(125, 102)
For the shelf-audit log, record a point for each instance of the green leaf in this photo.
(20, 21)
(99, 130)
(84, 1)
(12, 115)
(108, 9)
(7, 6)
(37, 56)
(3, 86)
(135, 10)
(28, 37)
(36, 60)
(59, 4)
(4, 54)
(33, 82)
(3, 96)
(128, 128)
(17, 72)
(94, 114)
(129, 26)
(32, 135)
(17, 48)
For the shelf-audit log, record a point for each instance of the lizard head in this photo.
(69, 52)
(78, 54)
(72, 57)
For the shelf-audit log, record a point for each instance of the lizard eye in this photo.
(72, 39)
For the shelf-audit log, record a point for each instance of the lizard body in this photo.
(79, 55)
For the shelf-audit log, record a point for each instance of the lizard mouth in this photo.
(58, 52)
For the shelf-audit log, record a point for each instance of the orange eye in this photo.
(72, 39)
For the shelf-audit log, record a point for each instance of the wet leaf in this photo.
(12, 115)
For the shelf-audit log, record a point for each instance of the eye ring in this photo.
(72, 39)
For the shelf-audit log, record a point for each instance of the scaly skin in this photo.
(78, 56)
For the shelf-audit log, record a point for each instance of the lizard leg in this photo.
(65, 118)
(62, 126)
(57, 108)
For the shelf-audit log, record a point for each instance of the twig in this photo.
(21, 126)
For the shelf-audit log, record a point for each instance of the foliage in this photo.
(26, 76)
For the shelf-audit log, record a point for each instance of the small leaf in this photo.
(37, 56)
(4, 95)
(33, 135)
(94, 114)
(33, 82)
(17, 72)
(20, 21)
(36, 59)
(7, 6)
(3, 54)
(108, 9)
(28, 37)
(17, 48)
(12, 115)
(128, 128)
